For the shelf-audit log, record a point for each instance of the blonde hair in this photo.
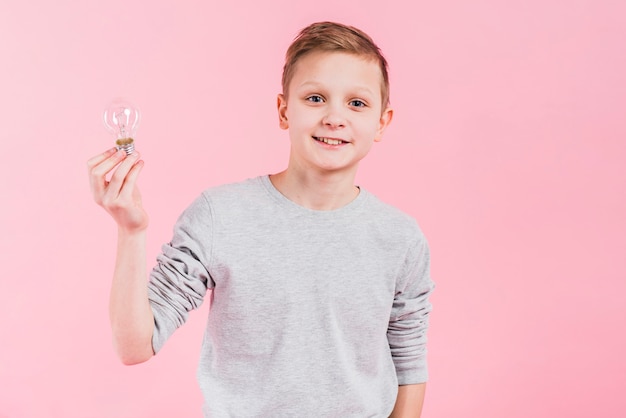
(334, 37)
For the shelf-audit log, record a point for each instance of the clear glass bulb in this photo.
(121, 118)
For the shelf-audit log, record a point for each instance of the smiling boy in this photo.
(320, 290)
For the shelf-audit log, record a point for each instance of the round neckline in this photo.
(293, 206)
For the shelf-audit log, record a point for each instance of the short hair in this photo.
(334, 37)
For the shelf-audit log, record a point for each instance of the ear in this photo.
(281, 104)
(385, 120)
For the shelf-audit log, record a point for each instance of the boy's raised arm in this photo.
(131, 317)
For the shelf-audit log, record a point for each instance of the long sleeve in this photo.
(408, 322)
(179, 281)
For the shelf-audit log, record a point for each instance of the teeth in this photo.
(330, 141)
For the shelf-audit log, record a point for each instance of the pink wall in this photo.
(508, 145)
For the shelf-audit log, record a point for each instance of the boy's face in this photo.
(334, 112)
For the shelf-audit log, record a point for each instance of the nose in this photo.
(334, 118)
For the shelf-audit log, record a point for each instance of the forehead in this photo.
(337, 69)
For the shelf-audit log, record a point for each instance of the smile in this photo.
(329, 141)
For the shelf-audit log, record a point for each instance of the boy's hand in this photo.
(120, 196)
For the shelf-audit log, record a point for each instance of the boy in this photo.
(320, 291)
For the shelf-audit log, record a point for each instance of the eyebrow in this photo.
(358, 89)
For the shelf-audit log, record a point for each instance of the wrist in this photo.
(131, 232)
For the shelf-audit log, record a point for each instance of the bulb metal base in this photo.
(126, 144)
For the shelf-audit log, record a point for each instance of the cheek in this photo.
(368, 127)
(303, 120)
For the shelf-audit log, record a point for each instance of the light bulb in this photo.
(121, 118)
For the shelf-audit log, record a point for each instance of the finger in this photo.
(94, 161)
(131, 180)
(98, 172)
(117, 179)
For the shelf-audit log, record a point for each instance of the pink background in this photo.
(508, 146)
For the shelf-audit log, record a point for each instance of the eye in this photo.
(357, 103)
(315, 98)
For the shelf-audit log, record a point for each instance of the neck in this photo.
(317, 191)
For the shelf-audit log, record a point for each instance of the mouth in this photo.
(329, 141)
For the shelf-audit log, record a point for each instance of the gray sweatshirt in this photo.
(314, 313)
